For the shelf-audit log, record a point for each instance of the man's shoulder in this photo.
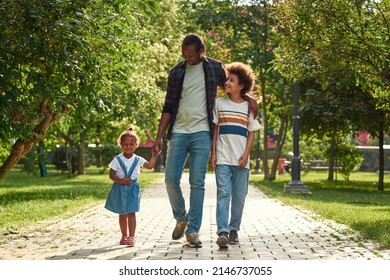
(178, 67)
(212, 60)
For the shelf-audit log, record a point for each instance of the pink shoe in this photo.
(124, 240)
(131, 241)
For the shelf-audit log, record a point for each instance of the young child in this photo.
(233, 137)
(124, 196)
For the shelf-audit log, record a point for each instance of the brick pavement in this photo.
(270, 231)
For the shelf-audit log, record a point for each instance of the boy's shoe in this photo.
(193, 240)
(233, 237)
(223, 240)
(178, 232)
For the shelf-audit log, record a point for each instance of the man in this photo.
(188, 111)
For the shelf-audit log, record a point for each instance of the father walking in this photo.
(188, 111)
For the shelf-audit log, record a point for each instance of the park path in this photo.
(270, 231)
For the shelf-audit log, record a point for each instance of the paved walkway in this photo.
(270, 231)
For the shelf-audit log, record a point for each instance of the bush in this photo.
(348, 158)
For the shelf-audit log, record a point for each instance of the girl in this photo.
(233, 137)
(124, 196)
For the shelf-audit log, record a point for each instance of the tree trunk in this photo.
(381, 160)
(331, 159)
(278, 148)
(19, 149)
(80, 152)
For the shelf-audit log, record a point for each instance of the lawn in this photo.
(26, 199)
(356, 203)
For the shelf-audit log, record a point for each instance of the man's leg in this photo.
(199, 150)
(176, 156)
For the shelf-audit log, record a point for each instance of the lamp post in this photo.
(257, 167)
(296, 186)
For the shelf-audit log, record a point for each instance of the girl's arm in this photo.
(249, 141)
(116, 179)
(150, 164)
(213, 158)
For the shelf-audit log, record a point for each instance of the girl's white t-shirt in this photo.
(128, 162)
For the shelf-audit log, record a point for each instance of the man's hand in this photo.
(157, 146)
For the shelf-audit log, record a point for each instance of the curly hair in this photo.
(245, 75)
(128, 133)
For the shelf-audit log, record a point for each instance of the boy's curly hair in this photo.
(244, 74)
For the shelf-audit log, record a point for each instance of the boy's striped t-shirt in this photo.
(234, 123)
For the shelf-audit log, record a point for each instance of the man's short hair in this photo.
(194, 39)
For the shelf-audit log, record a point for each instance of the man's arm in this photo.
(253, 106)
(164, 122)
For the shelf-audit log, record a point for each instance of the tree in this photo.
(334, 38)
(54, 57)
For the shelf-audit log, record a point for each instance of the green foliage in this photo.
(92, 61)
(336, 38)
(4, 151)
(348, 158)
(105, 154)
(44, 69)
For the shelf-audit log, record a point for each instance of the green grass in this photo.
(26, 199)
(356, 203)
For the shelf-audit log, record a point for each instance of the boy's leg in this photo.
(240, 178)
(224, 186)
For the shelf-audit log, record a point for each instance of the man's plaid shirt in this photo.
(214, 76)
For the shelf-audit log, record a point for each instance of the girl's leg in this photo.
(131, 223)
(123, 224)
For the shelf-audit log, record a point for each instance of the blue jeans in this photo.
(232, 183)
(197, 146)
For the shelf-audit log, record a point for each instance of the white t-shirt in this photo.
(192, 114)
(128, 162)
(234, 123)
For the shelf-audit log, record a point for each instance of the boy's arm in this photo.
(249, 141)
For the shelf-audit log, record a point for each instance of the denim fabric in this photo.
(232, 186)
(197, 146)
(124, 199)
